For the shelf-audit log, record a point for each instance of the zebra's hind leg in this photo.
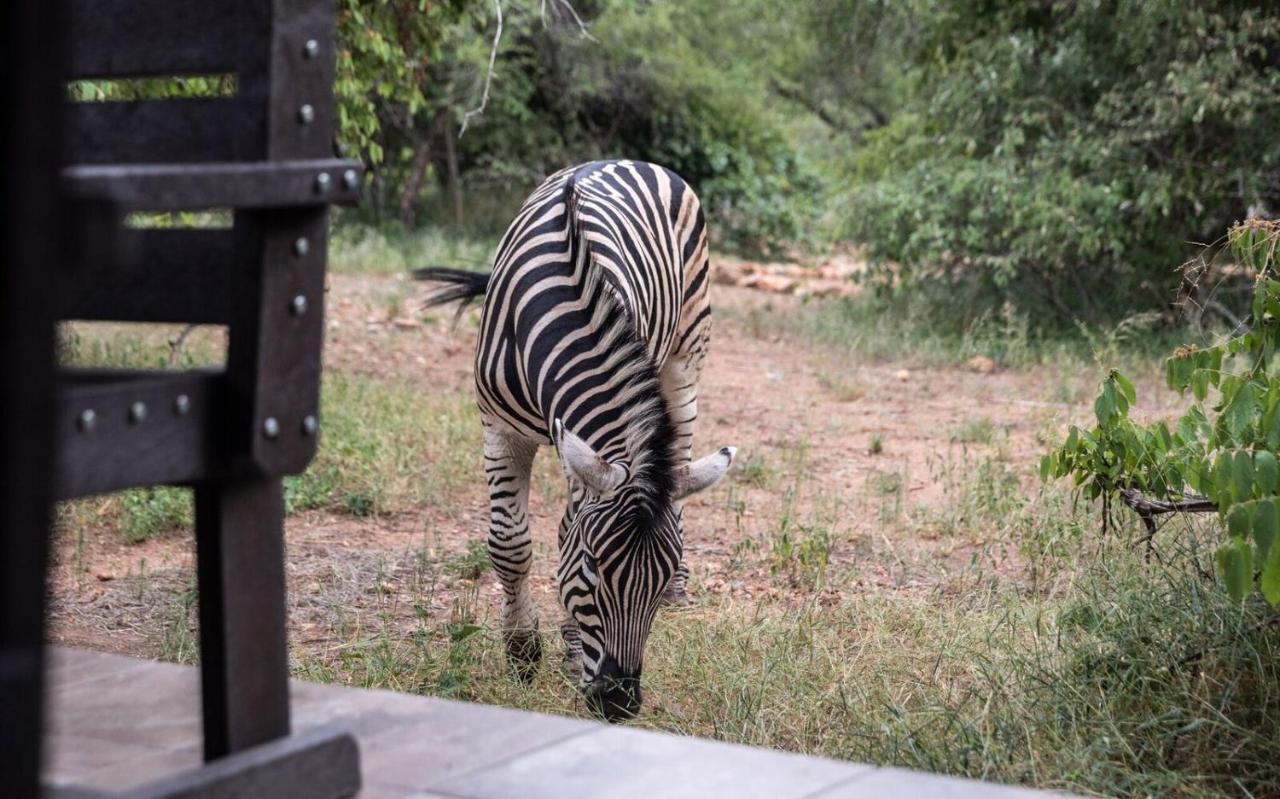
(508, 461)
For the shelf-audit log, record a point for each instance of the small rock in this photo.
(105, 577)
(406, 324)
(775, 284)
(981, 364)
(902, 375)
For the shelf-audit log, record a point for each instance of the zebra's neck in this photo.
(610, 396)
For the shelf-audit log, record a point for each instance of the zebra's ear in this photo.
(581, 462)
(704, 472)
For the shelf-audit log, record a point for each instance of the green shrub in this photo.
(1059, 156)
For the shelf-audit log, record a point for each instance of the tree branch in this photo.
(488, 78)
(812, 106)
(1148, 509)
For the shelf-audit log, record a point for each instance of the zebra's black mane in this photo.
(650, 435)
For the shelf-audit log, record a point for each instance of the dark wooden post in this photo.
(244, 660)
(30, 96)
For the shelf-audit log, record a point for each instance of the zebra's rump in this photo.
(593, 284)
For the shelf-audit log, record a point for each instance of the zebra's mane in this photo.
(648, 435)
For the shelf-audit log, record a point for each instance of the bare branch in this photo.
(488, 78)
(582, 26)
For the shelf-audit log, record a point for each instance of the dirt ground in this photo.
(850, 449)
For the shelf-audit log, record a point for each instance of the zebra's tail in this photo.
(457, 285)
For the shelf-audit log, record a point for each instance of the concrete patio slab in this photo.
(114, 723)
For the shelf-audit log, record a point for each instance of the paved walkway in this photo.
(116, 722)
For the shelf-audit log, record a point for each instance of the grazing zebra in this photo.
(594, 332)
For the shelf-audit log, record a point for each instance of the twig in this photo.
(488, 78)
(175, 344)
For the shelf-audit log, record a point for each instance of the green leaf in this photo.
(1266, 522)
(1239, 521)
(1200, 384)
(1270, 581)
(1266, 472)
(1242, 476)
(1241, 410)
(1103, 408)
(1235, 561)
(1273, 430)
(1126, 387)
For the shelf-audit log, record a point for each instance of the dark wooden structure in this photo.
(72, 171)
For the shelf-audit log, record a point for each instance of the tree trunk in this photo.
(417, 171)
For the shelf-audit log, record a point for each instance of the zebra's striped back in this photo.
(590, 240)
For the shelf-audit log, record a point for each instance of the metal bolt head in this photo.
(182, 405)
(311, 49)
(310, 425)
(301, 247)
(86, 421)
(322, 183)
(137, 412)
(350, 179)
(298, 305)
(270, 427)
(306, 114)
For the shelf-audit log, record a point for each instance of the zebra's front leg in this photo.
(508, 461)
(569, 633)
(680, 386)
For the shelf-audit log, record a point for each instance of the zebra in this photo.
(592, 337)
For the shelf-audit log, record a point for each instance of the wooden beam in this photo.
(161, 37)
(180, 187)
(103, 445)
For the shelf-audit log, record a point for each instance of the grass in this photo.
(365, 250)
(907, 329)
(1104, 674)
(387, 445)
(993, 635)
(978, 430)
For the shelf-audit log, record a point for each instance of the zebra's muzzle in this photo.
(614, 695)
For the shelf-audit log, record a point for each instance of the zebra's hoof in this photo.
(675, 598)
(524, 653)
(571, 667)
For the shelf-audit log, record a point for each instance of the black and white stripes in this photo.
(593, 335)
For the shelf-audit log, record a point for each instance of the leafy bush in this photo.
(650, 83)
(1059, 155)
(1221, 454)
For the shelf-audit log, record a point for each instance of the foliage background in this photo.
(1059, 158)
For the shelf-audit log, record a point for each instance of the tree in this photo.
(1057, 156)
(1221, 455)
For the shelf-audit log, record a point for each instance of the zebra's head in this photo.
(620, 546)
